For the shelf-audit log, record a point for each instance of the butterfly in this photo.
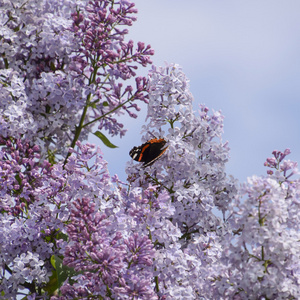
(149, 152)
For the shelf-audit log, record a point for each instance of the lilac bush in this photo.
(178, 229)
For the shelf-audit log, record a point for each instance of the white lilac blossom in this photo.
(63, 64)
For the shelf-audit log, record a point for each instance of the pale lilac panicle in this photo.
(87, 173)
(15, 116)
(264, 253)
(174, 273)
(168, 93)
(192, 172)
(17, 239)
(203, 256)
(28, 267)
(195, 159)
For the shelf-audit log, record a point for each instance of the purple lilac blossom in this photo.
(109, 245)
(63, 64)
(29, 195)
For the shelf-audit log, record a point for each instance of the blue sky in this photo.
(243, 58)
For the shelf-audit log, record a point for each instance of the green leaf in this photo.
(52, 285)
(93, 105)
(104, 139)
(62, 272)
(52, 66)
(63, 236)
(51, 157)
(52, 260)
(17, 177)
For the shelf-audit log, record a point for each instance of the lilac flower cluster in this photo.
(192, 172)
(21, 174)
(263, 254)
(62, 74)
(105, 57)
(111, 264)
(29, 228)
(160, 238)
(107, 243)
(193, 168)
(37, 94)
(253, 251)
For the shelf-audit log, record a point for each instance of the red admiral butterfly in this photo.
(149, 152)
